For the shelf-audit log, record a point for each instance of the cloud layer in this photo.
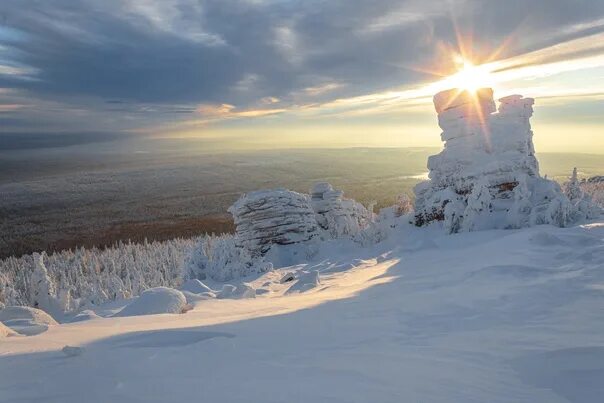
(119, 65)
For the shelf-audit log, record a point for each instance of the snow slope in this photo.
(491, 316)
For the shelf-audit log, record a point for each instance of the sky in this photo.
(272, 73)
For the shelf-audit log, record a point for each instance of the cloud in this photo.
(165, 58)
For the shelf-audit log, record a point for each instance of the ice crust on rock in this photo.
(155, 301)
(487, 175)
(339, 216)
(273, 217)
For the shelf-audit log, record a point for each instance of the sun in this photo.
(470, 77)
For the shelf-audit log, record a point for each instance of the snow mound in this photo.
(273, 217)
(5, 331)
(339, 216)
(26, 320)
(487, 176)
(84, 315)
(72, 351)
(195, 286)
(156, 301)
(306, 280)
(241, 291)
(192, 298)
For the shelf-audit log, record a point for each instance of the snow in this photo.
(26, 320)
(5, 331)
(195, 286)
(495, 316)
(155, 301)
(240, 291)
(86, 314)
(72, 351)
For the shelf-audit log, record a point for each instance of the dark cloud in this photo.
(188, 52)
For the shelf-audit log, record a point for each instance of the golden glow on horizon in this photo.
(560, 77)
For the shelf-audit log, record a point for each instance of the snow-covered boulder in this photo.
(487, 175)
(26, 320)
(273, 217)
(155, 301)
(339, 216)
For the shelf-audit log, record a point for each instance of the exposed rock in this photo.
(273, 217)
(339, 216)
(487, 175)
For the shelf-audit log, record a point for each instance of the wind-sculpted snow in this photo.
(25, 320)
(487, 175)
(492, 316)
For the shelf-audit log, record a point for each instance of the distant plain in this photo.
(96, 190)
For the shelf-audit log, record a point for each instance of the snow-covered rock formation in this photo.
(273, 217)
(339, 216)
(487, 175)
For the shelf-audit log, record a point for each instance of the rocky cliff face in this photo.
(487, 175)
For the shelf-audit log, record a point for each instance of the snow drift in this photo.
(26, 320)
(155, 301)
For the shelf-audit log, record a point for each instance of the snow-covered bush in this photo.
(220, 258)
(583, 206)
(73, 279)
(595, 190)
(404, 205)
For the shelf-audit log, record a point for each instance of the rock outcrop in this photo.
(273, 217)
(487, 175)
(339, 216)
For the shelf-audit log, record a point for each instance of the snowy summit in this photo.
(488, 289)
